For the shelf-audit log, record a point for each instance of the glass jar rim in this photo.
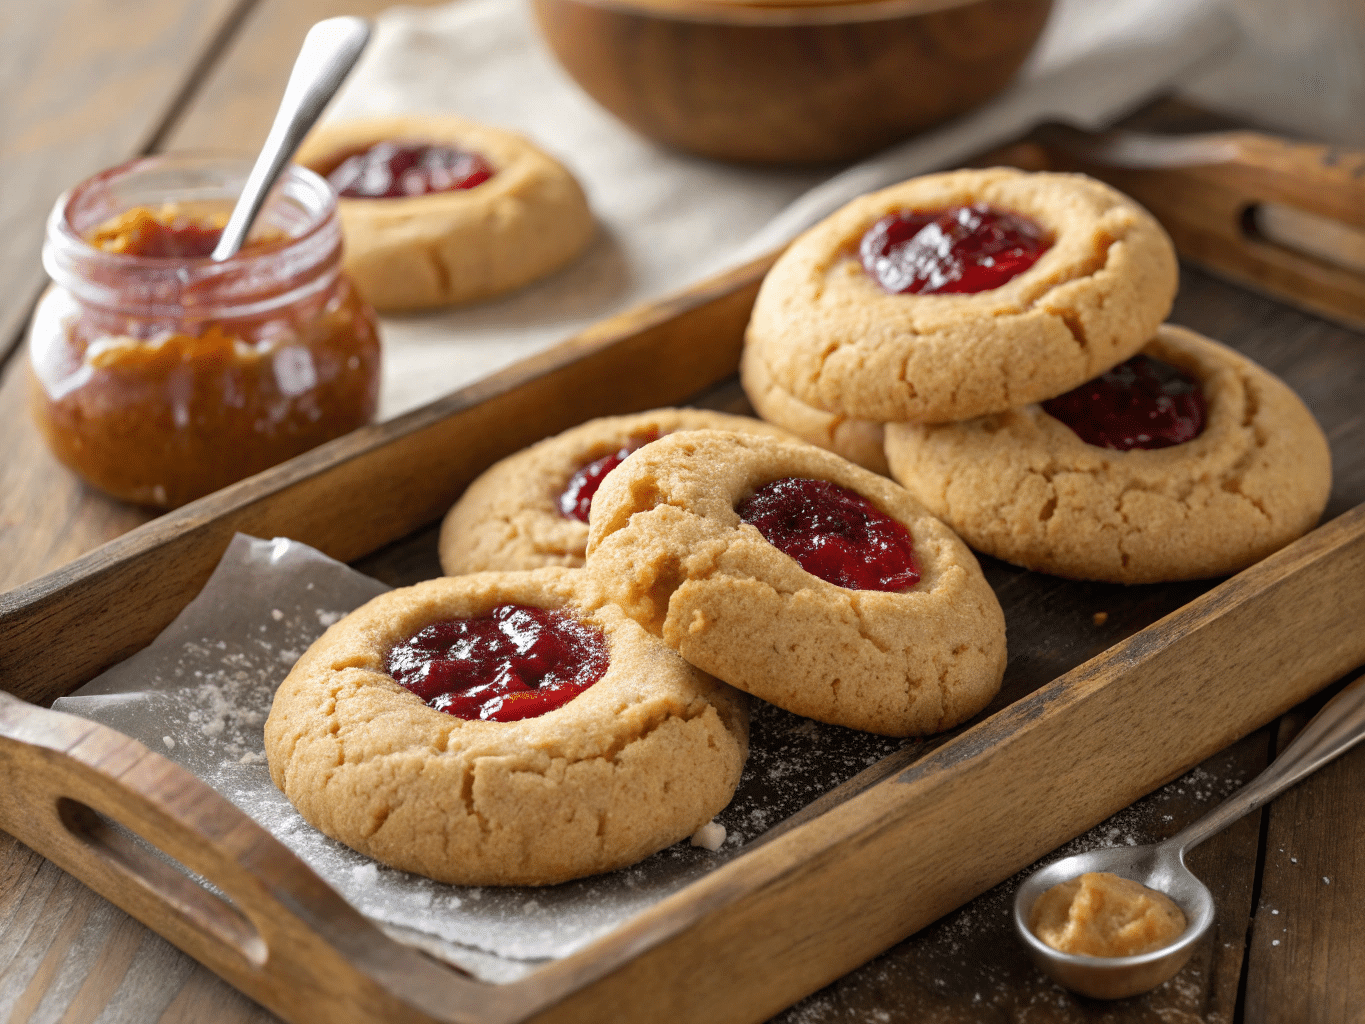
(157, 286)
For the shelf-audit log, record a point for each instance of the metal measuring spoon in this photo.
(1335, 729)
(329, 51)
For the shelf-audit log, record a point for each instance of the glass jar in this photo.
(160, 379)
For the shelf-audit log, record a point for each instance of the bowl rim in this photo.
(776, 13)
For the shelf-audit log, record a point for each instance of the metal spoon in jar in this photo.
(329, 51)
(1335, 729)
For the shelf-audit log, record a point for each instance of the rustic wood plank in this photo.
(1307, 955)
(119, 73)
(235, 101)
(87, 84)
(205, 997)
(969, 966)
(1270, 335)
(802, 908)
(846, 889)
(393, 478)
(48, 517)
(1343, 431)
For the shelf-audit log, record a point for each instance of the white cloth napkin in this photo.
(667, 218)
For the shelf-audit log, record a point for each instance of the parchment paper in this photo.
(200, 694)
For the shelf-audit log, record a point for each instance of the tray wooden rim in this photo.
(862, 820)
(629, 972)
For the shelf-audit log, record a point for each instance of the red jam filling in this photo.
(513, 663)
(1143, 403)
(576, 499)
(833, 533)
(960, 249)
(391, 170)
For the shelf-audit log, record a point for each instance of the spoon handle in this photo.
(1338, 727)
(329, 51)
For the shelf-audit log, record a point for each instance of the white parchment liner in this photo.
(200, 694)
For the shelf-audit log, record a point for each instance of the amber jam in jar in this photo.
(159, 375)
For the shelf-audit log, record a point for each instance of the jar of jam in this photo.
(159, 375)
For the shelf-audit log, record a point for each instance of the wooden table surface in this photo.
(90, 83)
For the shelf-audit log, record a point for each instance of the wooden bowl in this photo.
(789, 82)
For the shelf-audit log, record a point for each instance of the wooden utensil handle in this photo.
(281, 934)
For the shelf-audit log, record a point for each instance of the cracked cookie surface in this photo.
(836, 341)
(1023, 487)
(509, 517)
(860, 441)
(667, 545)
(641, 759)
(444, 248)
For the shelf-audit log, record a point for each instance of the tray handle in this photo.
(281, 935)
(1283, 216)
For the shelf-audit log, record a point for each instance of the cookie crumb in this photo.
(276, 614)
(169, 741)
(710, 836)
(1100, 618)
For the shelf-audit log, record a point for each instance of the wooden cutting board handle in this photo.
(282, 936)
(1283, 217)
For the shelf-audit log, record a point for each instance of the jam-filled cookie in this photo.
(502, 729)
(1187, 461)
(531, 509)
(438, 210)
(958, 294)
(797, 576)
(859, 441)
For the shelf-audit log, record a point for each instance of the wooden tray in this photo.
(870, 863)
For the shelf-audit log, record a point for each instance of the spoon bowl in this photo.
(1338, 727)
(1159, 867)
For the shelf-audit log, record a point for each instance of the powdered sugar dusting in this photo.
(969, 965)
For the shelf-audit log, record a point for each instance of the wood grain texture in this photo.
(969, 967)
(818, 899)
(1307, 953)
(235, 101)
(47, 515)
(392, 478)
(1209, 208)
(90, 83)
(812, 84)
(285, 936)
(164, 983)
(87, 84)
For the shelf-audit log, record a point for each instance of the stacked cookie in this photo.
(936, 315)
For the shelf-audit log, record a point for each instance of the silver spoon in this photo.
(329, 51)
(1335, 729)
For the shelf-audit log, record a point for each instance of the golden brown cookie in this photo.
(639, 760)
(859, 441)
(835, 340)
(669, 547)
(509, 518)
(527, 220)
(1022, 486)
